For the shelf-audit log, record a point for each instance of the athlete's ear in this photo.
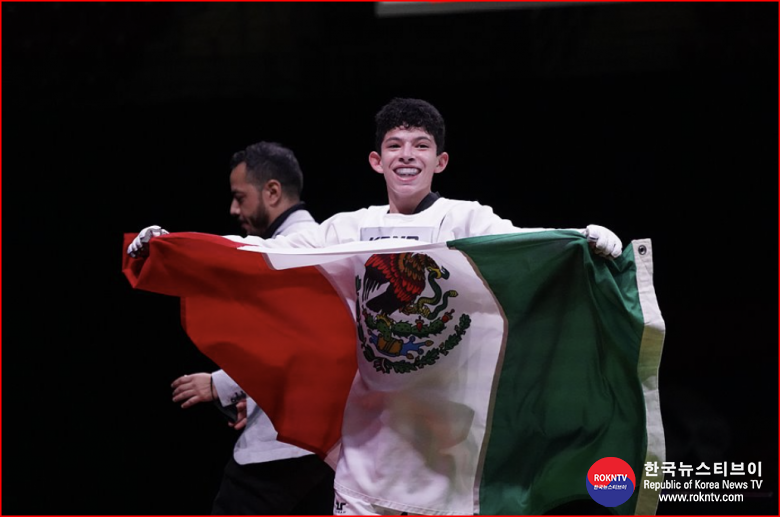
(272, 192)
(375, 159)
(442, 160)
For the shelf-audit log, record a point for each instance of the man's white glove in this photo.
(603, 241)
(139, 245)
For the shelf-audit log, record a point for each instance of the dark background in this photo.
(657, 120)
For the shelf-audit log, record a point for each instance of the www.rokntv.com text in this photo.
(703, 497)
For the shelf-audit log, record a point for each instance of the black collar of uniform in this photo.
(427, 202)
(269, 233)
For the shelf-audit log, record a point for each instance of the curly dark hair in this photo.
(270, 160)
(409, 113)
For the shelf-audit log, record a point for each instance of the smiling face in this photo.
(408, 163)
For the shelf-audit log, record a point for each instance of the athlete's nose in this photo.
(406, 152)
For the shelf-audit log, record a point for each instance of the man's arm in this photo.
(227, 391)
(309, 238)
(478, 220)
(215, 387)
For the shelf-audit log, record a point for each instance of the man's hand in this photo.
(193, 389)
(603, 241)
(240, 422)
(139, 247)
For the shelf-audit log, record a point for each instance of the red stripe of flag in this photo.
(285, 336)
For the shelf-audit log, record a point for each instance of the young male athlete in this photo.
(397, 455)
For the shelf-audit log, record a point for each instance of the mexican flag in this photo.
(516, 360)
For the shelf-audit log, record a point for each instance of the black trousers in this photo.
(297, 486)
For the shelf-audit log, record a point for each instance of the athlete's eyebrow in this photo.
(415, 139)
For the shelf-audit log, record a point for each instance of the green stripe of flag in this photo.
(568, 391)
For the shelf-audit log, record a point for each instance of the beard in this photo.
(259, 221)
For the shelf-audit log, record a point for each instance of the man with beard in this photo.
(263, 476)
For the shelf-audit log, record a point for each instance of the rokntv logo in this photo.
(610, 481)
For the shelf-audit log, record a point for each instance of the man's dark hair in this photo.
(271, 161)
(408, 114)
(237, 158)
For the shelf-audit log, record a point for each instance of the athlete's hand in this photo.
(140, 245)
(603, 241)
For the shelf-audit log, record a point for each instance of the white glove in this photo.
(603, 241)
(139, 245)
